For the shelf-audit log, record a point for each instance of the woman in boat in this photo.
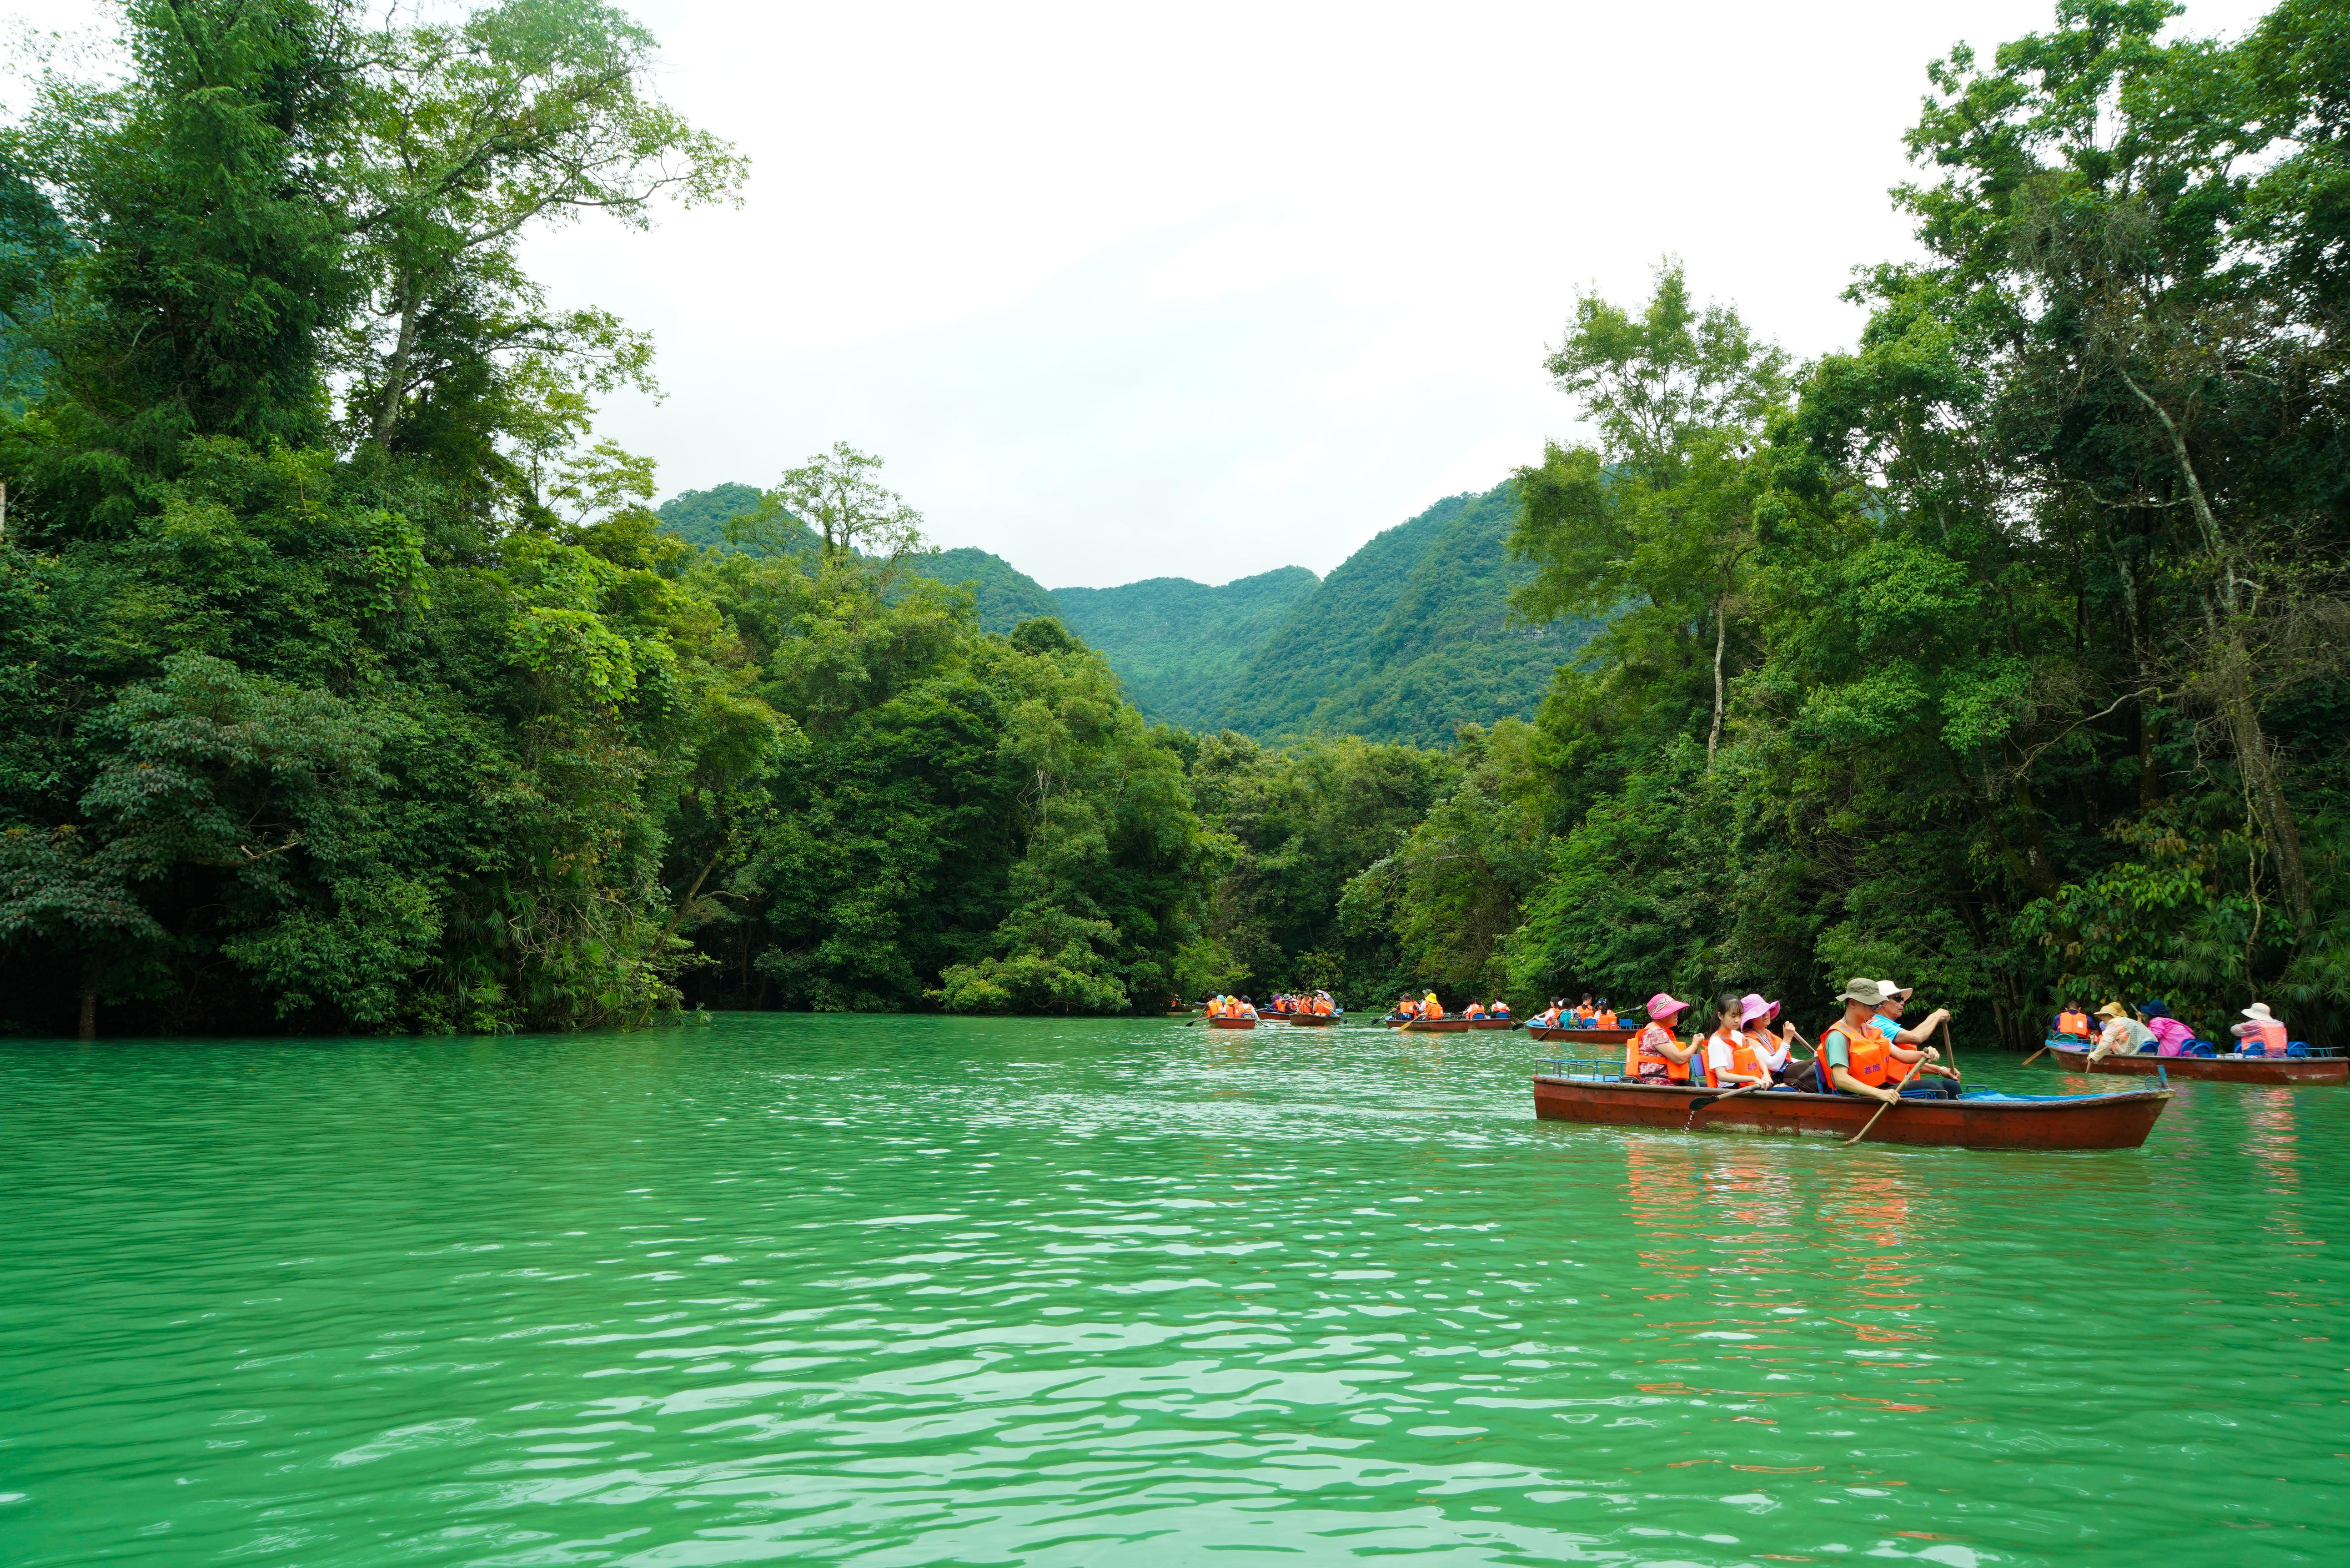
(1653, 1055)
(1605, 1017)
(2122, 1036)
(1730, 1059)
(2171, 1038)
(1475, 1010)
(2261, 1033)
(1429, 1007)
(1756, 1017)
(1548, 1017)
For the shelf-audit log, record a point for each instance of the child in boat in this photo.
(2261, 1033)
(1730, 1059)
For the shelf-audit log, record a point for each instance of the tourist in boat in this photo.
(1889, 1023)
(1500, 1008)
(1755, 1016)
(1653, 1055)
(1861, 1057)
(1475, 1010)
(1585, 1013)
(2122, 1035)
(1605, 1017)
(1429, 1007)
(1730, 1059)
(1548, 1017)
(2171, 1038)
(2072, 1020)
(2261, 1033)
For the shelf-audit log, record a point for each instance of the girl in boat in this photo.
(1730, 1059)
(1653, 1055)
(1756, 1017)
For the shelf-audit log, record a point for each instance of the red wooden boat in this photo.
(1447, 1026)
(1978, 1121)
(1582, 1037)
(1229, 1022)
(2291, 1070)
(1315, 1020)
(1493, 1023)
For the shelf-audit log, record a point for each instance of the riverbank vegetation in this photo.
(350, 682)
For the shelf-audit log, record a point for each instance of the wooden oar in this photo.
(2035, 1057)
(1887, 1104)
(1733, 1093)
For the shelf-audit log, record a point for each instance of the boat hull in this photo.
(1436, 1026)
(1584, 1036)
(2293, 1071)
(1315, 1020)
(1493, 1023)
(2082, 1121)
(1232, 1023)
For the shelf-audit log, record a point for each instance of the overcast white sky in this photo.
(1126, 291)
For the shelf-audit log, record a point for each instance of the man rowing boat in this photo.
(1861, 1057)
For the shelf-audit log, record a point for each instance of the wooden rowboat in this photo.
(1978, 1121)
(2290, 1070)
(1583, 1036)
(1232, 1023)
(1493, 1023)
(1315, 1020)
(1436, 1025)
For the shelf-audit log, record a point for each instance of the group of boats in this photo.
(1595, 1091)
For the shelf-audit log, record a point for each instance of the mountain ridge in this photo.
(1407, 639)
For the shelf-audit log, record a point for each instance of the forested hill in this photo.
(1407, 640)
(1182, 648)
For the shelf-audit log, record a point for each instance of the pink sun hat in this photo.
(1662, 1006)
(1756, 1008)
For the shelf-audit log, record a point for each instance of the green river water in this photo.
(913, 1291)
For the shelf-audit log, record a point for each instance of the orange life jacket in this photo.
(1742, 1059)
(2074, 1023)
(1476, 1010)
(1868, 1055)
(1603, 1019)
(1643, 1060)
(1765, 1047)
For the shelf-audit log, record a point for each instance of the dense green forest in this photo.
(351, 682)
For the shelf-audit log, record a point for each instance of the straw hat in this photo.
(2112, 1010)
(2258, 1014)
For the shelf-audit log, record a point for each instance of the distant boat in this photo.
(1583, 1036)
(1229, 1022)
(1446, 1026)
(1977, 1121)
(2299, 1070)
(1315, 1020)
(1493, 1023)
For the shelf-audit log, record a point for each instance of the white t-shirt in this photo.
(1718, 1058)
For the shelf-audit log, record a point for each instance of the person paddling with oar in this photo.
(1857, 1055)
(1907, 1042)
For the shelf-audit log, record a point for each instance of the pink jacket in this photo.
(2170, 1036)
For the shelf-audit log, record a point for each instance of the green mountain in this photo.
(700, 515)
(1180, 647)
(1410, 638)
(1407, 640)
(1007, 596)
